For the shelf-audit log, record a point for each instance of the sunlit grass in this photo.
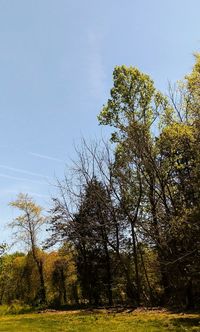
(104, 322)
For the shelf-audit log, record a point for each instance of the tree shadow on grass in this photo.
(187, 322)
(90, 310)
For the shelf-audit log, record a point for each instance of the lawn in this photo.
(80, 321)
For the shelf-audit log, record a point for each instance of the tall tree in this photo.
(162, 161)
(88, 229)
(28, 224)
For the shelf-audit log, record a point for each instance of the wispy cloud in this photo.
(4, 192)
(96, 69)
(5, 176)
(23, 171)
(38, 195)
(43, 156)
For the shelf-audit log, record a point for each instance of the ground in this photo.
(101, 321)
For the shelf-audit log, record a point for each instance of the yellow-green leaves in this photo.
(134, 102)
(25, 203)
(29, 221)
(193, 86)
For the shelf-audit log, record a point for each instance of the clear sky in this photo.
(56, 63)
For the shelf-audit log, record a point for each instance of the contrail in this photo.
(23, 171)
(21, 179)
(42, 156)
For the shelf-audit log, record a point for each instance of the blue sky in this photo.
(56, 63)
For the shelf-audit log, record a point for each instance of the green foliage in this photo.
(163, 170)
(134, 100)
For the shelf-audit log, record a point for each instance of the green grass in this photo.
(100, 322)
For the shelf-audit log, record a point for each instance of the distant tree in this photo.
(88, 230)
(27, 225)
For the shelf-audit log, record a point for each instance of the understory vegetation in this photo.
(124, 227)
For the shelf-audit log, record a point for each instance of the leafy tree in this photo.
(88, 230)
(159, 191)
(61, 277)
(28, 225)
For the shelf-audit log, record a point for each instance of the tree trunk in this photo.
(42, 283)
(135, 257)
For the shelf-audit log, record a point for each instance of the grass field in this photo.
(80, 321)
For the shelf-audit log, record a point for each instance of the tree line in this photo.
(126, 218)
